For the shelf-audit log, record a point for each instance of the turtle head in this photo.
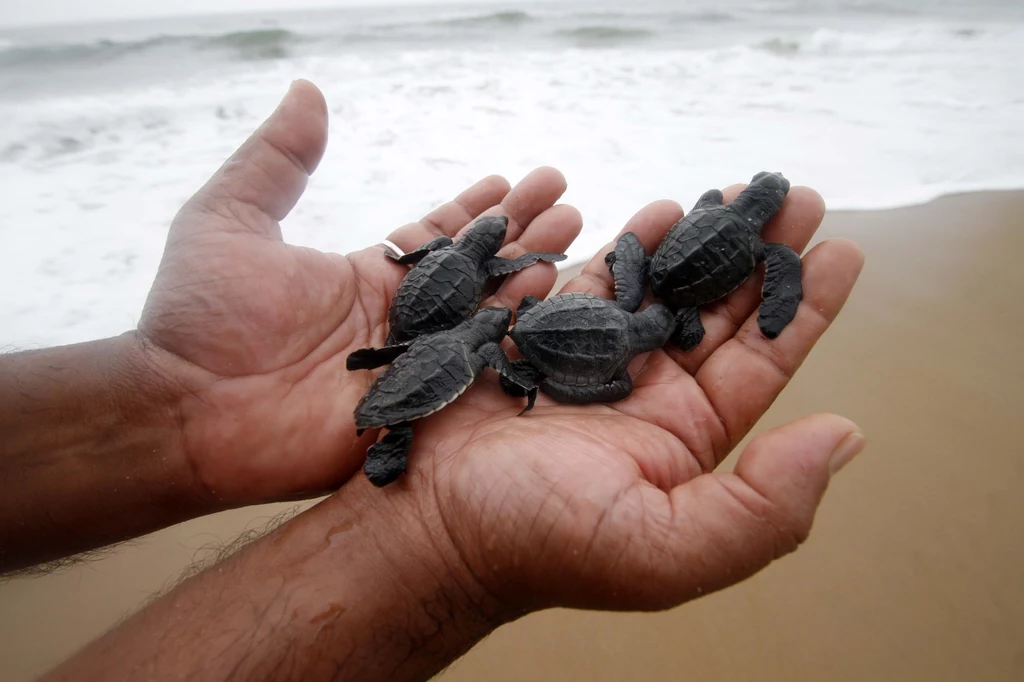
(492, 322)
(485, 237)
(762, 198)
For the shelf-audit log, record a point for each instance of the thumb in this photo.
(264, 179)
(721, 528)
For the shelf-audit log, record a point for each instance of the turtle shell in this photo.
(431, 374)
(704, 257)
(440, 292)
(576, 339)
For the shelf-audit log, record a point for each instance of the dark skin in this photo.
(220, 394)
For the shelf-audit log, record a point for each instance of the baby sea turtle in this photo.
(447, 282)
(425, 375)
(578, 345)
(710, 252)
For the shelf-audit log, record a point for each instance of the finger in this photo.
(721, 528)
(551, 232)
(453, 216)
(794, 225)
(650, 225)
(744, 376)
(533, 195)
(261, 183)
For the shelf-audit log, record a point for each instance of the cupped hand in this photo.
(620, 506)
(255, 331)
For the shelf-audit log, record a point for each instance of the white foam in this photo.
(871, 120)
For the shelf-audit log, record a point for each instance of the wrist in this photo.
(91, 447)
(357, 588)
(150, 385)
(382, 568)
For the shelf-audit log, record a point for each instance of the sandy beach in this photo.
(913, 570)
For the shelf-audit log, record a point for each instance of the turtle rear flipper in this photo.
(496, 266)
(388, 458)
(782, 290)
(525, 304)
(514, 378)
(371, 358)
(416, 256)
(628, 264)
(689, 331)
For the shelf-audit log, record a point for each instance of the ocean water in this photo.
(106, 129)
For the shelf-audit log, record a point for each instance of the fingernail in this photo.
(847, 449)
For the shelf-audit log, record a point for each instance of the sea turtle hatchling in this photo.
(577, 345)
(710, 252)
(425, 375)
(447, 282)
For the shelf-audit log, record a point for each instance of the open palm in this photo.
(257, 330)
(616, 505)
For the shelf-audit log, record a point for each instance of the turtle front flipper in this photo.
(388, 458)
(517, 378)
(628, 264)
(371, 358)
(503, 266)
(689, 331)
(782, 289)
(414, 257)
(618, 388)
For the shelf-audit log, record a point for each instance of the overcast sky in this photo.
(18, 12)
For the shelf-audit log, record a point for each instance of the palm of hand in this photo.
(261, 328)
(265, 326)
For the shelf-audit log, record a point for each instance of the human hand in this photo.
(619, 506)
(256, 331)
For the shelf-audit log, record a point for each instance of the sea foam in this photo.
(871, 113)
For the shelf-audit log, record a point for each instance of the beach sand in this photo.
(914, 569)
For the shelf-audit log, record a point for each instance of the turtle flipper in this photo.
(416, 256)
(370, 358)
(628, 264)
(617, 389)
(388, 458)
(514, 378)
(689, 331)
(525, 304)
(503, 266)
(713, 197)
(782, 289)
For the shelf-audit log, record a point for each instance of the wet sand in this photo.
(915, 567)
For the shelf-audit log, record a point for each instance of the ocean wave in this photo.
(505, 18)
(830, 41)
(267, 43)
(707, 17)
(602, 36)
(872, 7)
(248, 45)
(675, 17)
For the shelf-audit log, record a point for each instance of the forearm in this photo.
(355, 588)
(90, 450)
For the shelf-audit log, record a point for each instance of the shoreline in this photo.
(912, 570)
